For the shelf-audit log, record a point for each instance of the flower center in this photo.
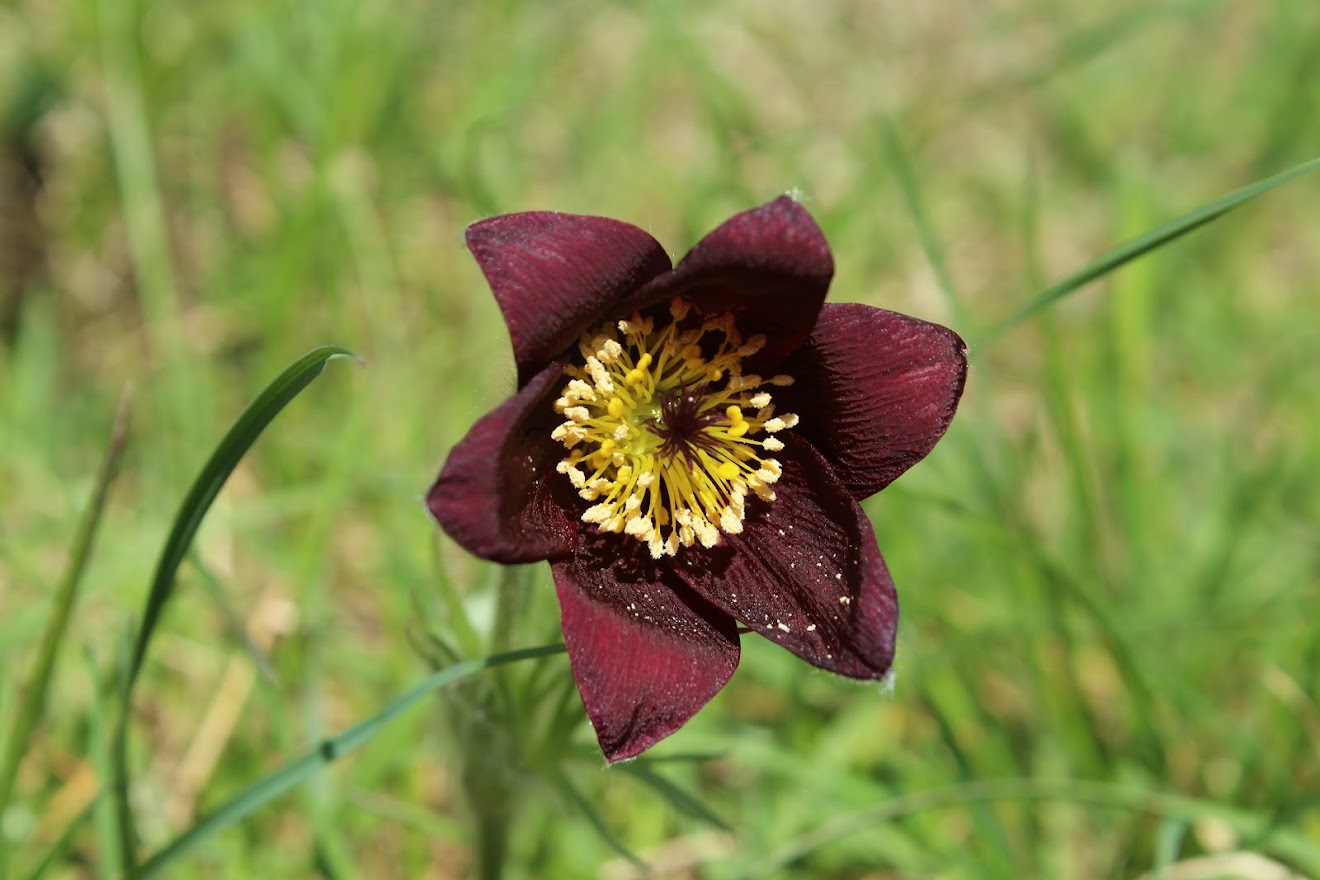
(664, 429)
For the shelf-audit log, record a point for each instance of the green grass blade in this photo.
(100, 733)
(203, 492)
(301, 769)
(597, 822)
(1292, 845)
(1144, 244)
(61, 843)
(678, 798)
(33, 701)
(207, 486)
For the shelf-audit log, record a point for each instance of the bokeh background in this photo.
(1109, 569)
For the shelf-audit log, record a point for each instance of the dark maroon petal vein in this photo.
(557, 275)
(875, 391)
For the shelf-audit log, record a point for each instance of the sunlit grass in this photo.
(1107, 569)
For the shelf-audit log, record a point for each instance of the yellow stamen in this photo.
(659, 428)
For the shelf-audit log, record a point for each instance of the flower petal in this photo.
(875, 390)
(556, 275)
(495, 494)
(771, 266)
(805, 572)
(646, 652)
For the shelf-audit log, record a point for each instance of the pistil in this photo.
(665, 433)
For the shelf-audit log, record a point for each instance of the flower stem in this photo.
(492, 748)
(510, 599)
(492, 845)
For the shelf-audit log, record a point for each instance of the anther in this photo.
(656, 421)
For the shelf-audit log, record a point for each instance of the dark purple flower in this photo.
(688, 446)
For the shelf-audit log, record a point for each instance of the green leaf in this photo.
(292, 774)
(1144, 244)
(34, 697)
(189, 518)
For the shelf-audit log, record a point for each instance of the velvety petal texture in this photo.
(495, 494)
(875, 391)
(555, 275)
(651, 641)
(805, 572)
(770, 266)
(646, 652)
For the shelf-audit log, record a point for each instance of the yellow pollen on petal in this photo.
(667, 436)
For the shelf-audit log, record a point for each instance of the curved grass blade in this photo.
(1294, 846)
(1144, 244)
(207, 486)
(187, 520)
(597, 822)
(33, 700)
(678, 798)
(274, 784)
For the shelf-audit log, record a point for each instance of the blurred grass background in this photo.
(1109, 569)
